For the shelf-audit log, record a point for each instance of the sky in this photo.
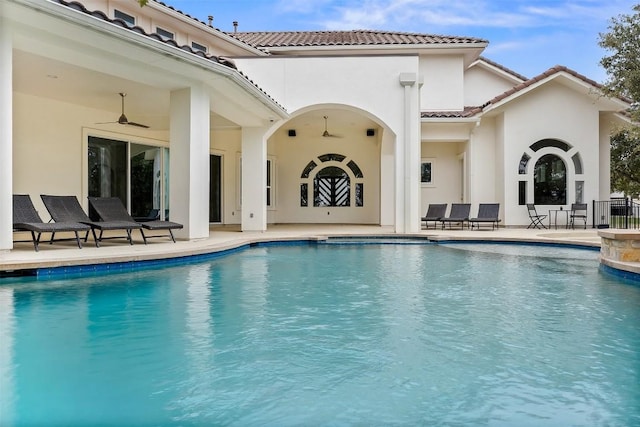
(526, 36)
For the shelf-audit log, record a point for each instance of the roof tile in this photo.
(267, 39)
(216, 59)
(472, 111)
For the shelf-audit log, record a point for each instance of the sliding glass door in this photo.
(135, 173)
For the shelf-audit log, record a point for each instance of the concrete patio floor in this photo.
(63, 254)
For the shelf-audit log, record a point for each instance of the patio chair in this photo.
(435, 212)
(459, 214)
(112, 209)
(26, 218)
(67, 208)
(487, 214)
(579, 212)
(534, 217)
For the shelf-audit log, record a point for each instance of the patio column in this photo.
(604, 161)
(6, 136)
(408, 161)
(189, 162)
(254, 180)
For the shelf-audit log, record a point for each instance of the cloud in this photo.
(453, 14)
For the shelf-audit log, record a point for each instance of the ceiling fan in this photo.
(326, 133)
(123, 119)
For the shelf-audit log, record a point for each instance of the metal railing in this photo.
(618, 212)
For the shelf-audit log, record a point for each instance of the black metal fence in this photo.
(618, 212)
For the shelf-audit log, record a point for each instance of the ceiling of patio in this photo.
(39, 76)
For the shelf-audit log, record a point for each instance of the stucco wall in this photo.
(484, 163)
(227, 143)
(46, 149)
(557, 112)
(368, 83)
(293, 154)
(443, 88)
(481, 85)
(447, 173)
(49, 149)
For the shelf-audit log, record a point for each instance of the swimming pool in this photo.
(459, 334)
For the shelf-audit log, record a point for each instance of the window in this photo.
(550, 181)
(167, 35)
(270, 170)
(270, 187)
(426, 172)
(304, 195)
(577, 163)
(579, 191)
(522, 193)
(125, 17)
(545, 143)
(198, 46)
(524, 161)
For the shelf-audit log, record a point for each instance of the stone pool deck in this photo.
(67, 254)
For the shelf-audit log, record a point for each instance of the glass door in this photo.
(215, 188)
(146, 181)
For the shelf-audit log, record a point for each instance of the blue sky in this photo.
(526, 36)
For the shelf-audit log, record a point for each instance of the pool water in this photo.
(460, 334)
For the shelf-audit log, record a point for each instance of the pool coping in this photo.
(123, 257)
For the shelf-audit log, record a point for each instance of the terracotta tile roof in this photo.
(102, 16)
(503, 68)
(472, 111)
(198, 21)
(269, 39)
(216, 59)
(551, 71)
(467, 112)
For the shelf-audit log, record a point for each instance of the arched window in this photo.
(550, 181)
(331, 187)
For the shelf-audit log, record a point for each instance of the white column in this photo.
(254, 180)
(604, 165)
(410, 161)
(6, 137)
(189, 162)
(388, 179)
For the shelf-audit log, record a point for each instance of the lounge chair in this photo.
(435, 212)
(67, 208)
(112, 209)
(534, 217)
(26, 218)
(487, 214)
(579, 212)
(459, 214)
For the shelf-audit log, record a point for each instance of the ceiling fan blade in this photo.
(122, 120)
(137, 124)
